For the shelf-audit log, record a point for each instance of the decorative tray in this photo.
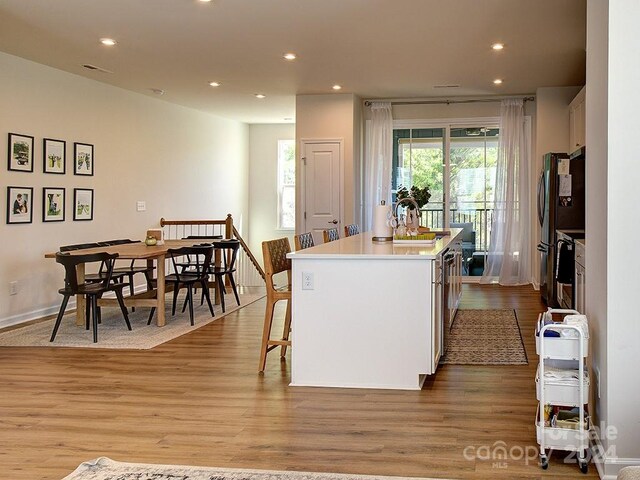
(418, 240)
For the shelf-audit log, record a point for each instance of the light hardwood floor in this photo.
(199, 400)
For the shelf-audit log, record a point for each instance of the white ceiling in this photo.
(373, 48)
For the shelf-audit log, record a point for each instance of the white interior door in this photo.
(322, 190)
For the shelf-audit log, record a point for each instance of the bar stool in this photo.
(351, 230)
(330, 235)
(304, 240)
(275, 261)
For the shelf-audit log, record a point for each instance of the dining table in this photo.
(136, 251)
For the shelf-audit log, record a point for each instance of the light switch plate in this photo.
(141, 205)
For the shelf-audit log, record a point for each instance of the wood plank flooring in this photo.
(199, 400)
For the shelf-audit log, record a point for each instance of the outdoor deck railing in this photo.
(480, 218)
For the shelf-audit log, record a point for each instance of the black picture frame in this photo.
(53, 204)
(54, 156)
(83, 159)
(19, 208)
(83, 204)
(20, 152)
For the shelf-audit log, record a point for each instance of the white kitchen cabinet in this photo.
(577, 124)
(580, 276)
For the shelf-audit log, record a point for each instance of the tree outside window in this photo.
(286, 185)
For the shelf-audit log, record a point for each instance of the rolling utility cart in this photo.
(562, 385)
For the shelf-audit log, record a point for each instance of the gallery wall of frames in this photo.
(23, 152)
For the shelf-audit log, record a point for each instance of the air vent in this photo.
(88, 66)
(452, 85)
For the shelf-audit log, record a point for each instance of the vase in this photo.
(413, 219)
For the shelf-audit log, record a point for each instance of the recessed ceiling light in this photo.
(497, 81)
(205, 1)
(157, 91)
(214, 84)
(260, 95)
(497, 46)
(337, 87)
(108, 41)
(289, 56)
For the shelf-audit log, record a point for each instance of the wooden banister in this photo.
(252, 258)
(226, 225)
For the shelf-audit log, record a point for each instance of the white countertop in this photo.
(363, 247)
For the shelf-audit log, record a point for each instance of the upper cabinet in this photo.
(577, 121)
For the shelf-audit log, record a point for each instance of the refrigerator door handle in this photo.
(541, 198)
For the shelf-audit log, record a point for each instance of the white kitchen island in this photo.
(368, 315)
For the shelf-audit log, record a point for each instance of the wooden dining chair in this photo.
(304, 240)
(132, 269)
(330, 235)
(351, 230)
(93, 291)
(196, 275)
(275, 261)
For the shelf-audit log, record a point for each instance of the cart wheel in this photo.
(584, 466)
(544, 461)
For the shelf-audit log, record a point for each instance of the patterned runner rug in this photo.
(106, 469)
(485, 337)
(113, 333)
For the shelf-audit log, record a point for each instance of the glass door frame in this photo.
(446, 124)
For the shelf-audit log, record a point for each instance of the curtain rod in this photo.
(367, 103)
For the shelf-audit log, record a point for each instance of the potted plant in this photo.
(418, 197)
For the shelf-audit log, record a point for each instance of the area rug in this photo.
(113, 333)
(485, 337)
(104, 468)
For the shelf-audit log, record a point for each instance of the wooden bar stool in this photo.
(275, 261)
(350, 230)
(304, 240)
(330, 235)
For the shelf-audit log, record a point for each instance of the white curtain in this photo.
(508, 260)
(378, 161)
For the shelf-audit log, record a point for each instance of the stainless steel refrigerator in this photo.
(561, 205)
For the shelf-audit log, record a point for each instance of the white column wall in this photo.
(623, 229)
(183, 163)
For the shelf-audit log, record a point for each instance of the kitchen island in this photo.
(369, 315)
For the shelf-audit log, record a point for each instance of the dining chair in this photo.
(330, 235)
(275, 253)
(100, 275)
(303, 240)
(228, 250)
(133, 269)
(92, 291)
(351, 230)
(197, 274)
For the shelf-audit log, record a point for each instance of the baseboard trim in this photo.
(608, 467)
(42, 313)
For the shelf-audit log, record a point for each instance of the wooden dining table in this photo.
(136, 251)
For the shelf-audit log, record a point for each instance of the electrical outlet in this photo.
(13, 288)
(307, 281)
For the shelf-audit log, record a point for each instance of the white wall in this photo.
(623, 228)
(263, 184)
(183, 163)
(330, 116)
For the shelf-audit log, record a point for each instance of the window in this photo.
(286, 185)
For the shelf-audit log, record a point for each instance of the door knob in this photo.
(335, 222)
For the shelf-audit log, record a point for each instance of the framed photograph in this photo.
(19, 204)
(53, 156)
(83, 204)
(52, 204)
(82, 159)
(20, 152)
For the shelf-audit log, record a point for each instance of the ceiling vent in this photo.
(88, 66)
(451, 85)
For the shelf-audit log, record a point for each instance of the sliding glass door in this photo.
(458, 162)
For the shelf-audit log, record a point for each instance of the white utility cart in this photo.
(562, 380)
